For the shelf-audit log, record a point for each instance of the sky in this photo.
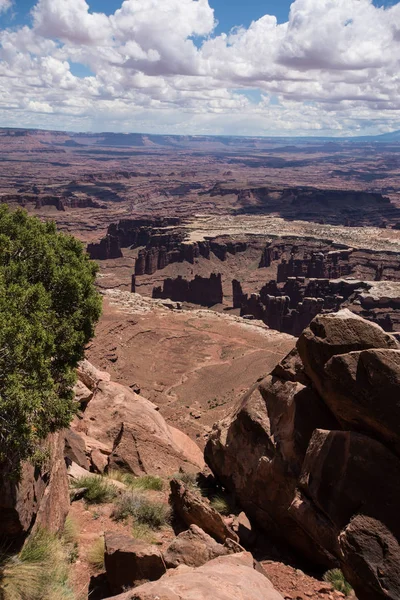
(223, 67)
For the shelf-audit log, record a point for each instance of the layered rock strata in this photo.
(206, 291)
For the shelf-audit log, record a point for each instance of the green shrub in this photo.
(39, 572)
(146, 482)
(48, 309)
(95, 555)
(336, 578)
(97, 489)
(143, 510)
(188, 479)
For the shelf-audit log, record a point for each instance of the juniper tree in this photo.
(48, 309)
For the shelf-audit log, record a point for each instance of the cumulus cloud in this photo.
(5, 5)
(157, 65)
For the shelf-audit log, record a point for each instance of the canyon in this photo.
(231, 270)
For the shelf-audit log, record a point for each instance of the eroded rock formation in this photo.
(121, 429)
(311, 280)
(313, 456)
(206, 291)
(223, 578)
(39, 498)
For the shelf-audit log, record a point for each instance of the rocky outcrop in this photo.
(121, 429)
(194, 548)
(371, 558)
(321, 277)
(109, 247)
(38, 499)
(129, 233)
(223, 578)
(193, 510)
(129, 562)
(312, 452)
(205, 291)
(162, 251)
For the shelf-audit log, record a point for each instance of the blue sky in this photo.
(161, 66)
(229, 13)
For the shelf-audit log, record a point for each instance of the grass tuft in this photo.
(95, 555)
(143, 510)
(141, 531)
(70, 532)
(98, 489)
(38, 572)
(336, 578)
(220, 504)
(146, 482)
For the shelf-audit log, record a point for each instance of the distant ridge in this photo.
(209, 142)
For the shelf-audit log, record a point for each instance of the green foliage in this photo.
(97, 489)
(146, 482)
(95, 555)
(336, 578)
(39, 572)
(188, 479)
(48, 309)
(143, 510)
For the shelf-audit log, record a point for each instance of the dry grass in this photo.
(38, 572)
(336, 578)
(95, 555)
(143, 532)
(220, 504)
(146, 482)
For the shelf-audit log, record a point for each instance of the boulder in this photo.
(291, 368)
(39, 499)
(82, 393)
(130, 429)
(194, 548)
(345, 473)
(75, 449)
(257, 454)
(90, 376)
(371, 559)
(242, 527)
(129, 562)
(338, 333)
(99, 460)
(362, 389)
(317, 463)
(223, 578)
(193, 510)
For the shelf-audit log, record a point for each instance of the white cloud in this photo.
(5, 5)
(70, 21)
(157, 66)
